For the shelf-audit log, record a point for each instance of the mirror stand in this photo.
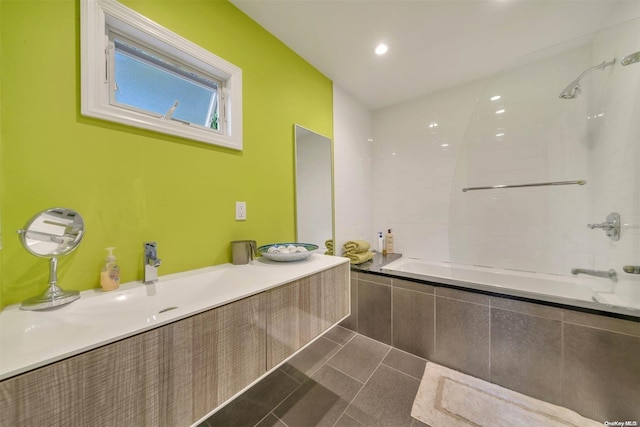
(54, 295)
(51, 234)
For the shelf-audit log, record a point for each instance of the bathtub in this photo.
(30, 339)
(581, 291)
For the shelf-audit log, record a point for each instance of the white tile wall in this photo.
(415, 151)
(353, 161)
(418, 170)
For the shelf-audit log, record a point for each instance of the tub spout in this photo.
(611, 273)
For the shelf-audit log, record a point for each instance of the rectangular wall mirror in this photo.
(314, 187)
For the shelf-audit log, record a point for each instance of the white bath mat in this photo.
(451, 398)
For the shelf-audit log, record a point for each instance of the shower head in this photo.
(573, 89)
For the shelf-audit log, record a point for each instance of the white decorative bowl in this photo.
(287, 256)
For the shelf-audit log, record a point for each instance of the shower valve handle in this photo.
(603, 225)
(611, 226)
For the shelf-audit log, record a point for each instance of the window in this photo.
(144, 81)
(138, 73)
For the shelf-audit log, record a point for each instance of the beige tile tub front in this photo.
(526, 308)
(374, 311)
(463, 336)
(601, 373)
(526, 354)
(463, 296)
(351, 322)
(413, 322)
(602, 322)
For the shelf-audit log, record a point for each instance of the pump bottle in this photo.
(110, 274)
(389, 242)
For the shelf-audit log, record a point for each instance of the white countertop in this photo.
(31, 339)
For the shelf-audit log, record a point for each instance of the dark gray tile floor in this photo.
(343, 379)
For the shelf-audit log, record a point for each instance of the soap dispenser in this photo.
(110, 274)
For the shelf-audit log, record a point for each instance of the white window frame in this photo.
(97, 17)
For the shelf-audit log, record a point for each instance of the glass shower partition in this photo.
(554, 117)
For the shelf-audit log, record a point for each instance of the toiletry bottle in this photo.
(389, 242)
(381, 248)
(110, 274)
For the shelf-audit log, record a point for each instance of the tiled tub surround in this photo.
(586, 362)
(182, 369)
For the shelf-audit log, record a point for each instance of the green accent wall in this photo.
(132, 185)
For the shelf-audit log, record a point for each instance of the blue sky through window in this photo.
(151, 88)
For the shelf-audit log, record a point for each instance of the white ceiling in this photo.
(433, 44)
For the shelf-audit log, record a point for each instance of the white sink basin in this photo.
(29, 339)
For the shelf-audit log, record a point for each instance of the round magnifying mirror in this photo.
(53, 232)
(50, 234)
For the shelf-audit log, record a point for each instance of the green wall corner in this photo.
(132, 185)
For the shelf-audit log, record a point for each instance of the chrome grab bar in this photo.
(537, 184)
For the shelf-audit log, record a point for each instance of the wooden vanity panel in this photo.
(112, 385)
(178, 373)
(336, 293)
(228, 352)
(170, 376)
(121, 382)
(302, 310)
(287, 320)
(43, 395)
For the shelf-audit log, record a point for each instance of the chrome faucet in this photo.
(151, 262)
(611, 273)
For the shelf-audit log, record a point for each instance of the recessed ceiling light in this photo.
(495, 97)
(499, 134)
(381, 49)
(444, 145)
(433, 125)
(500, 111)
